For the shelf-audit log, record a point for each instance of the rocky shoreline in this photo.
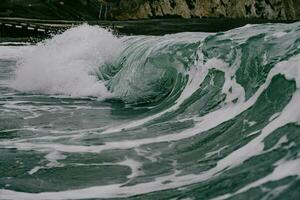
(149, 9)
(263, 9)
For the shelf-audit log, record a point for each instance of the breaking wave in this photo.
(221, 116)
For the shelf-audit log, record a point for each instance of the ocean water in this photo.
(188, 116)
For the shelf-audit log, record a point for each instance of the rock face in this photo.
(144, 9)
(266, 9)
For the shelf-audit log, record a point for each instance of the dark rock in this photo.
(144, 9)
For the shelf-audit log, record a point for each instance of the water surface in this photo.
(89, 115)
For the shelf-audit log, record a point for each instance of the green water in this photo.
(88, 115)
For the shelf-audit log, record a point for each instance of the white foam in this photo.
(283, 169)
(134, 165)
(291, 71)
(35, 170)
(67, 64)
(279, 34)
(13, 52)
(248, 123)
(54, 157)
(218, 151)
(274, 116)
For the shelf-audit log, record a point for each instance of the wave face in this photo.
(89, 115)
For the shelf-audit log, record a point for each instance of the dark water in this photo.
(88, 115)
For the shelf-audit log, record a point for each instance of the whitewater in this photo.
(88, 114)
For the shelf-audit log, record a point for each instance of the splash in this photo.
(68, 63)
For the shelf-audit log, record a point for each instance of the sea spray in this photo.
(67, 64)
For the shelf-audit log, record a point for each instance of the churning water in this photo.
(89, 115)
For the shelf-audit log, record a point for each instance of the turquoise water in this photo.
(90, 115)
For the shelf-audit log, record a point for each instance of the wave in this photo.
(80, 61)
(227, 100)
